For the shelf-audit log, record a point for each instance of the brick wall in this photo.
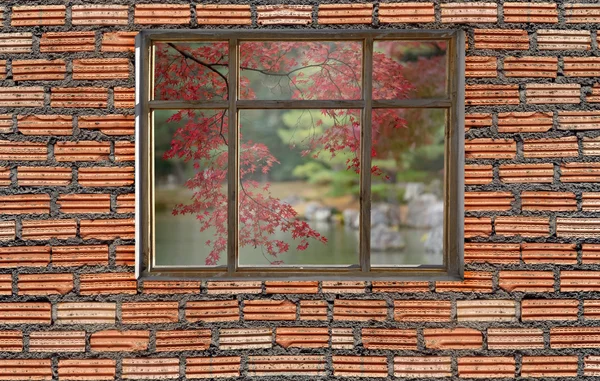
(71, 308)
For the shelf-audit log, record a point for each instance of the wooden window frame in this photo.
(453, 102)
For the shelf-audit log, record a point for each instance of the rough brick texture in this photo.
(71, 308)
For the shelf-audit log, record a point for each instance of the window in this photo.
(300, 155)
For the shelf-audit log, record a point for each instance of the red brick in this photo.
(124, 97)
(7, 230)
(526, 281)
(485, 148)
(478, 227)
(109, 124)
(25, 313)
(212, 367)
(522, 12)
(39, 70)
(486, 367)
(487, 95)
(302, 337)
(474, 281)
(457, 338)
(590, 253)
(463, 13)
(594, 95)
(150, 368)
(304, 365)
(574, 337)
(11, 341)
(24, 256)
(171, 287)
(233, 339)
(591, 366)
(17, 96)
(191, 340)
(250, 287)
(485, 310)
(522, 226)
(79, 255)
(511, 122)
(69, 97)
(549, 366)
(107, 229)
(57, 341)
(47, 229)
(107, 283)
(552, 93)
(220, 14)
(86, 369)
(23, 151)
(549, 309)
(505, 39)
(86, 313)
(481, 67)
(101, 69)
(407, 12)
(591, 146)
(581, 66)
(6, 123)
(156, 14)
(559, 147)
(283, 14)
(422, 367)
(342, 338)
(14, 43)
(22, 369)
(125, 255)
(313, 310)
(476, 174)
(554, 39)
(269, 310)
(542, 67)
(150, 312)
(557, 201)
(577, 227)
(124, 151)
(118, 41)
(360, 366)
(4, 176)
(527, 173)
(58, 42)
(82, 151)
(119, 341)
(38, 15)
(45, 124)
(579, 120)
(25, 204)
(555, 253)
(6, 284)
(582, 13)
(403, 287)
(422, 310)
(45, 284)
(126, 203)
(496, 253)
(515, 338)
(477, 120)
(345, 13)
(359, 310)
(392, 339)
(343, 287)
(488, 201)
(106, 176)
(295, 287)
(99, 14)
(591, 309)
(211, 311)
(579, 280)
(84, 203)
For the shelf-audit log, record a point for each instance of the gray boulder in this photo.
(384, 238)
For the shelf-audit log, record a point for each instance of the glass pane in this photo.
(409, 69)
(282, 70)
(298, 177)
(407, 186)
(190, 187)
(191, 71)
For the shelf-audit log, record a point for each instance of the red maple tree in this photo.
(306, 70)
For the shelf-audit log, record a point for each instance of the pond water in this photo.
(179, 242)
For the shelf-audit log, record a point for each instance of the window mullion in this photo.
(365, 157)
(233, 162)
